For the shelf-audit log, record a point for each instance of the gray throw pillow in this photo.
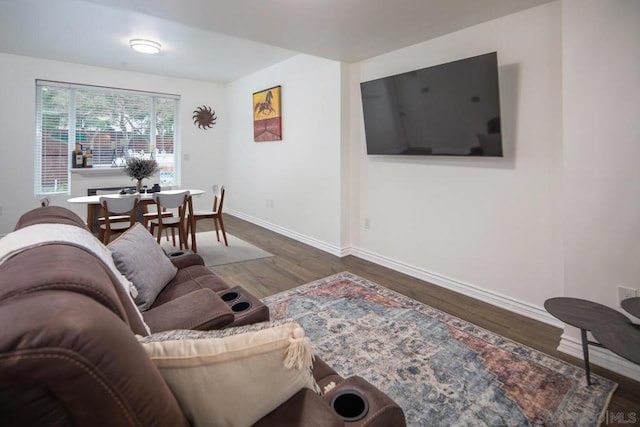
(139, 257)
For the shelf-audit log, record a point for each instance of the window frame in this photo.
(72, 132)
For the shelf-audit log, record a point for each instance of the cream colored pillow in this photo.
(233, 380)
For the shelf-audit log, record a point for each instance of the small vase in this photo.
(139, 186)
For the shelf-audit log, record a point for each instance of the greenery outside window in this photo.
(115, 124)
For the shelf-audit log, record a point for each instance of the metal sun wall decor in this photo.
(204, 117)
(267, 117)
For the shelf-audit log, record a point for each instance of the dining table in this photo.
(93, 204)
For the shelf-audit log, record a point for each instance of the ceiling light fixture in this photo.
(145, 46)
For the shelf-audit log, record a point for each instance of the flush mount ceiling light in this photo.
(145, 46)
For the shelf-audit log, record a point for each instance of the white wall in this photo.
(601, 92)
(302, 173)
(490, 228)
(601, 89)
(204, 148)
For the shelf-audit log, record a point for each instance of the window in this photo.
(115, 124)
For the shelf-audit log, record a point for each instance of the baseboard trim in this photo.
(502, 301)
(600, 356)
(493, 298)
(318, 244)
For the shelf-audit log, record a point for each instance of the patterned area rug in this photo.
(441, 370)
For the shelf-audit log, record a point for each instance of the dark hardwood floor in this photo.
(296, 263)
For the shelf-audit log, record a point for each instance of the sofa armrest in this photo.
(303, 409)
(325, 374)
(306, 408)
(186, 260)
(382, 411)
(202, 309)
(69, 360)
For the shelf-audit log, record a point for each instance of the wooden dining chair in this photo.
(125, 206)
(179, 201)
(112, 218)
(152, 213)
(215, 213)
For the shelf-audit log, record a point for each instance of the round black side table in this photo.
(621, 338)
(587, 316)
(632, 306)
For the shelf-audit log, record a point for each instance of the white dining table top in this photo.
(144, 196)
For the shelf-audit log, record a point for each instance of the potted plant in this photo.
(139, 169)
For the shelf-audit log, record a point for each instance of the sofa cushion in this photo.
(233, 376)
(202, 310)
(139, 257)
(190, 279)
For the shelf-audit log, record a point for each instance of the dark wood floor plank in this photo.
(295, 263)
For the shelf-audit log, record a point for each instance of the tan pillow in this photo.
(234, 380)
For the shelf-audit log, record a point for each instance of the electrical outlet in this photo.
(367, 223)
(625, 293)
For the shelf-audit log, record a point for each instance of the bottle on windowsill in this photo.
(87, 159)
(76, 156)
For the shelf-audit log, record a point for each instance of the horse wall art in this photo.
(267, 118)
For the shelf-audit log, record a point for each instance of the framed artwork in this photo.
(267, 116)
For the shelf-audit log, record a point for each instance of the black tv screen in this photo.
(451, 109)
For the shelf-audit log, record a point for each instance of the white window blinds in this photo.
(52, 135)
(114, 124)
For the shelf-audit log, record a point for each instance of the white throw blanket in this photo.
(45, 234)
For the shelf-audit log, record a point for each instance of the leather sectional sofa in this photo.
(69, 354)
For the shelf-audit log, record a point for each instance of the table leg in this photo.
(585, 354)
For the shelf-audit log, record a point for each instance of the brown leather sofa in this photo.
(69, 355)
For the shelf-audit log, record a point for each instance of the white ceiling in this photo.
(223, 40)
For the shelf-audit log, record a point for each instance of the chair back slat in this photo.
(126, 204)
(172, 200)
(120, 204)
(218, 197)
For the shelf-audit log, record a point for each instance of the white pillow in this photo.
(141, 259)
(237, 379)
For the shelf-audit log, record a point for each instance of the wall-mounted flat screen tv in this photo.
(451, 109)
